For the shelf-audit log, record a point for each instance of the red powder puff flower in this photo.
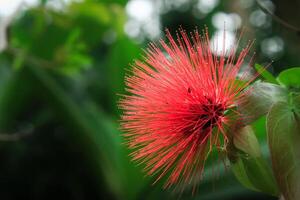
(177, 108)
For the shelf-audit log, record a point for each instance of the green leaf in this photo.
(19, 59)
(226, 187)
(259, 98)
(290, 78)
(91, 141)
(238, 169)
(283, 125)
(95, 134)
(14, 96)
(259, 175)
(255, 174)
(246, 141)
(265, 74)
(249, 166)
(121, 2)
(117, 64)
(92, 18)
(259, 128)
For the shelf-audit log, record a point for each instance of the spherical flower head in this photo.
(177, 108)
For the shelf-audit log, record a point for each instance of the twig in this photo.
(278, 19)
(17, 135)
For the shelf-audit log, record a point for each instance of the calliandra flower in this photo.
(176, 109)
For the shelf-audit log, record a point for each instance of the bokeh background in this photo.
(62, 64)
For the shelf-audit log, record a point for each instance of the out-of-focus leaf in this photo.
(98, 137)
(259, 127)
(118, 61)
(83, 133)
(290, 78)
(121, 2)
(19, 59)
(4, 23)
(72, 55)
(125, 170)
(65, 38)
(13, 98)
(119, 19)
(40, 32)
(265, 74)
(259, 98)
(92, 18)
(283, 125)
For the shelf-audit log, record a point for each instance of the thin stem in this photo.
(17, 135)
(278, 19)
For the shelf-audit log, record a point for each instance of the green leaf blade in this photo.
(259, 98)
(290, 78)
(250, 168)
(265, 74)
(284, 141)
